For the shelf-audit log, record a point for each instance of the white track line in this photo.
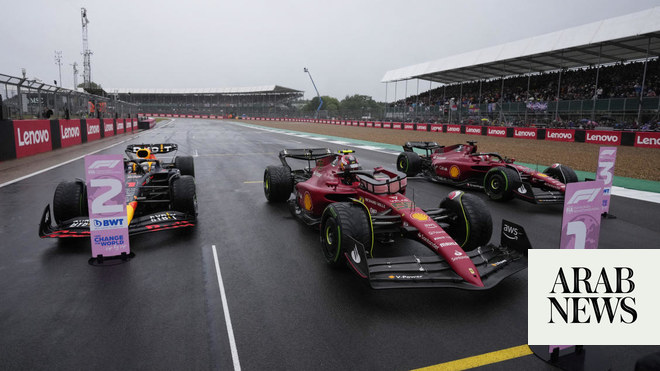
(63, 163)
(78, 158)
(225, 308)
(616, 191)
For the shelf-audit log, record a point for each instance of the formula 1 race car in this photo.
(159, 195)
(359, 210)
(461, 165)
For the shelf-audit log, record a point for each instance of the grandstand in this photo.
(264, 101)
(599, 73)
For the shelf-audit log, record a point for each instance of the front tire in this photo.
(471, 225)
(185, 164)
(70, 201)
(278, 183)
(409, 163)
(500, 182)
(562, 173)
(343, 224)
(184, 195)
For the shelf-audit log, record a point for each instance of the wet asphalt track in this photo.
(163, 309)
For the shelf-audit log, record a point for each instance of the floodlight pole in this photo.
(58, 62)
(316, 114)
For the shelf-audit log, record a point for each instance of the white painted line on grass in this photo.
(638, 195)
(225, 308)
(616, 191)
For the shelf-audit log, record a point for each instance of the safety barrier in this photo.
(649, 139)
(21, 138)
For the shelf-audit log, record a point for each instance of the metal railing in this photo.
(611, 110)
(23, 98)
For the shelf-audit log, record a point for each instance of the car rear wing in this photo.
(306, 154)
(429, 147)
(154, 148)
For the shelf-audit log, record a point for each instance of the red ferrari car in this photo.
(462, 165)
(357, 211)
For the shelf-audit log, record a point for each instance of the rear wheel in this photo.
(562, 173)
(184, 195)
(409, 163)
(500, 182)
(278, 183)
(470, 225)
(70, 201)
(346, 228)
(185, 164)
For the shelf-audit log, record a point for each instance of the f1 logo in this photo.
(584, 194)
(104, 163)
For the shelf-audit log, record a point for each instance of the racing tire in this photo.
(470, 225)
(343, 224)
(562, 173)
(70, 201)
(278, 183)
(409, 163)
(500, 182)
(183, 195)
(185, 164)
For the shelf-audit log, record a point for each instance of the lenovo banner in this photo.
(527, 133)
(120, 126)
(106, 197)
(473, 130)
(108, 128)
(436, 127)
(396, 125)
(93, 129)
(647, 139)
(603, 137)
(454, 129)
(32, 137)
(70, 133)
(496, 132)
(560, 135)
(421, 127)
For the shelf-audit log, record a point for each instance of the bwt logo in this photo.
(104, 163)
(109, 222)
(584, 195)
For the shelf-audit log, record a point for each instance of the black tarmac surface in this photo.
(288, 309)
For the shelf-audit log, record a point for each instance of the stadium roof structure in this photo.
(265, 89)
(620, 39)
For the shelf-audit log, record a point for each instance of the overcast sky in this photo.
(348, 45)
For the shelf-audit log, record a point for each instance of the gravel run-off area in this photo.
(632, 162)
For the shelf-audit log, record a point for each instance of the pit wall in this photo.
(649, 139)
(22, 138)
